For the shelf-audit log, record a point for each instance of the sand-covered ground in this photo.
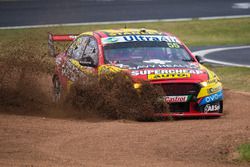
(40, 140)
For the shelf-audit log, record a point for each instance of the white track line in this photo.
(208, 51)
(97, 23)
(127, 22)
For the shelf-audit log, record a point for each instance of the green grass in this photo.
(193, 33)
(244, 151)
(236, 78)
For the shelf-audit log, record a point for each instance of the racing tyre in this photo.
(57, 89)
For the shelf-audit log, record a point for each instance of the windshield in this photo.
(142, 53)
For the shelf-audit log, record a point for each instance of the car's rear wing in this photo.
(58, 38)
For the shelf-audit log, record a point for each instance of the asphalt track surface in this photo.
(236, 56)
(239, 56)
(38, 12)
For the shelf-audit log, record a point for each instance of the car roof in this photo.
(125, 31)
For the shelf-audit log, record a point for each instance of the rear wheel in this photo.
(57, 89)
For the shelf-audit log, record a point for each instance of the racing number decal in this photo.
(173, 45)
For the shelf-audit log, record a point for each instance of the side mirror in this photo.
(87, 61)
(200, 59)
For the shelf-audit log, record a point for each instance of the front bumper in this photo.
(193, 109)
(188, 114)
(192, 100)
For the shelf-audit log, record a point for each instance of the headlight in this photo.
(204, 84)
(137, 85)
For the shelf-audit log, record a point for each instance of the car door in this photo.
(77, 54)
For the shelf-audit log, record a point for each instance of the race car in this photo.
(191, 90)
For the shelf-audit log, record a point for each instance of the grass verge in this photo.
(236, 78)
(244, 151)
(193, 33)
(22, 46)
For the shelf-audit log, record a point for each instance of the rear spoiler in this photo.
(58, 38)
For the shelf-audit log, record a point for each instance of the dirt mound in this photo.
(32, 141)
(26, 86)
(113, 96)
(23, 69)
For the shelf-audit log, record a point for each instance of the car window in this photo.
(146, 52)
(91, 51)
(77, 48)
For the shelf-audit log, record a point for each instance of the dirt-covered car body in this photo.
(158, 57)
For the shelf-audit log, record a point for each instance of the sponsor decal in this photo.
(211, 107)
(134, 33)
(170, 65)
(108, 69)
(121, 65)
(110, 40)
(133, 38)
(73, 37)
(204, 91)
(215, 80)
(150, 38)
(157, 61)
(70, 71)
(214, 97)
(165, 71)
(176, 99)
(214, 90)
(168, 76)
(58, 61)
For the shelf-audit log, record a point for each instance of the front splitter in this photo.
(187, 114)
